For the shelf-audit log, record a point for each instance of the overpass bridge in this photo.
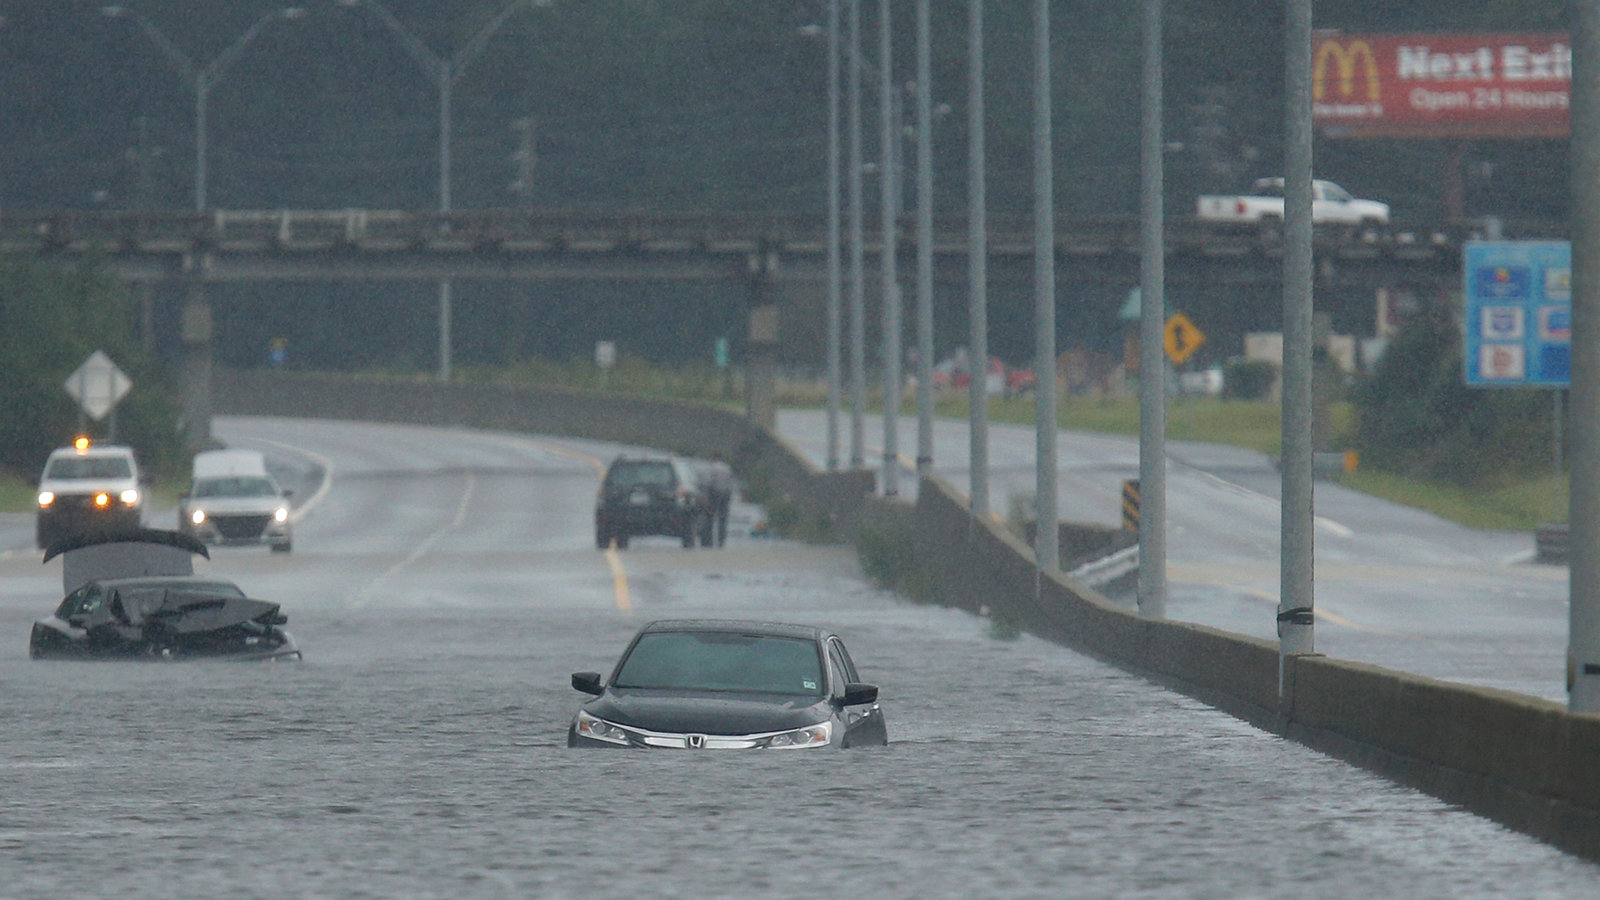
(312, 245)
(778, 259)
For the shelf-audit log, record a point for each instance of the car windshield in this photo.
(235, 486)
(722, 661)
(631, 474)
(69, 467)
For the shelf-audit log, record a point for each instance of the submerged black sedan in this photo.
(729, 685)
(134, 595)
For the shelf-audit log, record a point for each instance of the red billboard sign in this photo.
(1440, 85)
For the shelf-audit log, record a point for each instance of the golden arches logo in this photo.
(1344, 57)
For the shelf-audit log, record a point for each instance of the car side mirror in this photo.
(288, 494)
(857, 694)
(589, 682)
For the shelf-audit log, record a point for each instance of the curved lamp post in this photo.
(444, 71)
(201, 78)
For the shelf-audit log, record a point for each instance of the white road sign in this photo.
(98, 385)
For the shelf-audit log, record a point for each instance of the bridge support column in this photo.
(195, 363)
(761, 345)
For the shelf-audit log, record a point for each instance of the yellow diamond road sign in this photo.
(1182, 338)
(98, 385)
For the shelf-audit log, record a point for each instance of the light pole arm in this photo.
(431, 62)
(215, 69)
(185, 66)
(475, 46)
(187, 70)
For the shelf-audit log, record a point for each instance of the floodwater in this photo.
(419, 751)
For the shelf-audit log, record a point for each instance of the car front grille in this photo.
(235, 528)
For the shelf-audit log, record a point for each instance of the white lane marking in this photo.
(365, 595)
(1323, 613)
(1326, 524)
(299, 511)
(619, 574)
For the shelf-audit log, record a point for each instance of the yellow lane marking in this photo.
(906, 462)
(619, 579)
(1193, 576)
(619, 575)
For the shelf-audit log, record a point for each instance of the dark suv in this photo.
(647, 495)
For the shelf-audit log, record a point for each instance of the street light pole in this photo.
(924, 241)
(977, 267)
(203, 78)
(888, 188)
(858, 330)
(834, 263)
(445, 72)
(1047, 541)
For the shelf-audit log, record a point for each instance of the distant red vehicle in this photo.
(1000, 378)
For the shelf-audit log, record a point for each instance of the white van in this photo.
(233, 500)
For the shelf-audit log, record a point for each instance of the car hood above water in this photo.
(704, 712)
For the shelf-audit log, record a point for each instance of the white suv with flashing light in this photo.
(88, 489)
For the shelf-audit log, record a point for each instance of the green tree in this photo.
(54, 318)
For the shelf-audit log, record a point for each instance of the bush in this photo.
(1249, 379)
(889, 560)
(1419, 419)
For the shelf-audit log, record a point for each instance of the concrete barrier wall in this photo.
(1522, 761)
(1525, 762)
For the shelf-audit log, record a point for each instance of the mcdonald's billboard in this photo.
(1440, 85)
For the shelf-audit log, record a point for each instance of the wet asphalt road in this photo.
(1395, 586)
(446, 586)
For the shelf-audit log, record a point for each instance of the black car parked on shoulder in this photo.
(656, 495)
(729, 685)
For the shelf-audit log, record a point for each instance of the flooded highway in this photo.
(444, 588)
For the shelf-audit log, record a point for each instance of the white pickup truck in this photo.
(1330, 204)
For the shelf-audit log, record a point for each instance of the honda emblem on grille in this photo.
(695, 741)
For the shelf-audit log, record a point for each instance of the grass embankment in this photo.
(1518, 504)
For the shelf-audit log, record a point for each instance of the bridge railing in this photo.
(515, 230)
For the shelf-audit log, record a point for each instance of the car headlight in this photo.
(198, 517)
(280, 515)
(816, 735)
(599, 729)
(102, 500)
(130, 497)
(46, 498)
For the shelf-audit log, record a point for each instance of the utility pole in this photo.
(1296, 619)
(1047, 543)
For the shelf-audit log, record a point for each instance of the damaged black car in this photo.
(135, 596)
